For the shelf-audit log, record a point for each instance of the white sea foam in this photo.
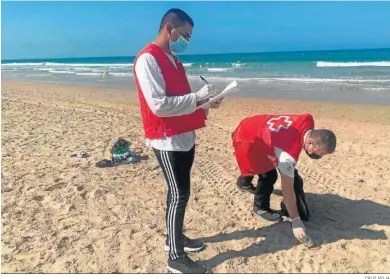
(298, 80)
(113, 65)
(353, 64)
(100, 74)
(237, 65)
(21, 64)
(44, 69)
(377, 88)
(82, 69)
(38, 75)
(122, 74)
(95, 70)
(218, 69)
(330, 80)
(62, 72)
(88, 74)
(85, 69)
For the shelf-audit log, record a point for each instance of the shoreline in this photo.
(276, 92)
(106, 98)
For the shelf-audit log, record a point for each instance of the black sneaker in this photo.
(267, 214)
(245, 184)
(190, 245)
(185, 265)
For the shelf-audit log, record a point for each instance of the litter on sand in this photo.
(120, 154)
(80, 155)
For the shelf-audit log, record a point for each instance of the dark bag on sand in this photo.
(121, 154)
(120, 150)
(303, 209)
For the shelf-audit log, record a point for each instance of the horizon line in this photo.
(206, 54)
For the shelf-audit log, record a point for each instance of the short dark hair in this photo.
(177, 17)
(324, 138)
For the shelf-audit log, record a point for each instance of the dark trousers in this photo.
(176, 166)
(265, 187)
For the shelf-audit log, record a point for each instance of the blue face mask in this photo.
(179, 46)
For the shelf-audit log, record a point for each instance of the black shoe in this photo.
(267, 214)
(245, 184)
(190, 245)
(185, 265)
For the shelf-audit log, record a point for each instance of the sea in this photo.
(357, 70)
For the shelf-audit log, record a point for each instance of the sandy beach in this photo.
(65, 215)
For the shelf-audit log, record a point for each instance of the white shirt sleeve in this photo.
(153, 87)
(286, 163)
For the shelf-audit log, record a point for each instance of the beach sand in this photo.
(63, 214)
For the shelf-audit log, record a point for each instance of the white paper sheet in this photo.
(228, 89)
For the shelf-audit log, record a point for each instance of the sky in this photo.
(94, 29)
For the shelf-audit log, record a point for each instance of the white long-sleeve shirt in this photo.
(153, 87)
(285, 162)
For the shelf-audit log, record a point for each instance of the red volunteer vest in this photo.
(176, 83)
(256, 137)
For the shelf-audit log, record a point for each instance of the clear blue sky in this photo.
(86, 29)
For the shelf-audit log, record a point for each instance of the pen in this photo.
(202, 78)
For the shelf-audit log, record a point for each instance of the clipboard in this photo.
(231, 87)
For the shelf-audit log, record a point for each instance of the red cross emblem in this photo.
(277, 123)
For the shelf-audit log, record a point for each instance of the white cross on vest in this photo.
(277, 123)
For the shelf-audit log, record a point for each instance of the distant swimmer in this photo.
(106, 73)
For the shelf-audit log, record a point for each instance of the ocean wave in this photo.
(353, 64)
(111, 65)
(328, 80)
(313, 79)
(376, 88)
(62, 72)
(188, 64)
(100, 74)
(237, 65)
(44, 69)
(80, 69)
(68, 70)
(121, 74)
(299, 80)
(20, 64)
(218, 69)
(38, 75)
(88, 74)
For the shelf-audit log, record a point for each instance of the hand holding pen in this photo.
(213, 92)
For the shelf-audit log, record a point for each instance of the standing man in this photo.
(170, 118)
(264, 143)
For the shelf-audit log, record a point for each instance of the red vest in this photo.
(176, 85)
(256, 137)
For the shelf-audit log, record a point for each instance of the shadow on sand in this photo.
(333, 218)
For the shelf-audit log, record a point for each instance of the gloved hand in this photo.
(216, 104)
(205, 92)
(299, 230)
